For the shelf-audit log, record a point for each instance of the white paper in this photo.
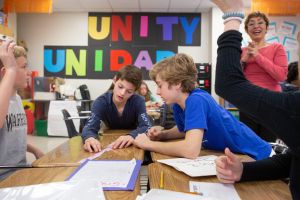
(56, 123)
(67, 190)
(201, 166)
(214, 191)
(96, 155)
(109, 173)
(158, 194)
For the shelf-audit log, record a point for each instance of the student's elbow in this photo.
(191, 153)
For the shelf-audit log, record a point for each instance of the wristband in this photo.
(233, 18)
(233, 14)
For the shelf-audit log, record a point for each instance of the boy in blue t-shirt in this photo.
(200, 121)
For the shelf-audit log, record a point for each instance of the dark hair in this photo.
(130, 73)
(256, 14)
(148, 95)
(293, 72)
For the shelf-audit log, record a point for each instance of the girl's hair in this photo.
(256, 14)
(148, 94)
(292, 72)
(18, 52)
(130, 73)
(179, 68)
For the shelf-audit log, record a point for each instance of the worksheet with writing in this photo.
(201, 166)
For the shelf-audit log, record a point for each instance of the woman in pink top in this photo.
(264, 64)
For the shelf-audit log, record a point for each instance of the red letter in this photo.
(116, 55)
(118, 26)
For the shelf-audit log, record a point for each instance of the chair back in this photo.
(69, 123)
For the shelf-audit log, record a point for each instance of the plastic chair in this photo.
(69, 123)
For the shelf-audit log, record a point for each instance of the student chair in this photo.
(166, 117)
(69, 123)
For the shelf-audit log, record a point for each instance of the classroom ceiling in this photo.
(134, 5)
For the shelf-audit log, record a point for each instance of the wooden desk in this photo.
(178, 181)
(71, 152)
(54, 174)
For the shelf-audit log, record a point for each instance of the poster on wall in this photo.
(115, 40)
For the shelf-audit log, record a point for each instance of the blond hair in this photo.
(179, 68)
(18, 52)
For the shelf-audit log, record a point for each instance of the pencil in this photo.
(196, 193)
(161, 184)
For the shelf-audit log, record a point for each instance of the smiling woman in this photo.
(264, 65)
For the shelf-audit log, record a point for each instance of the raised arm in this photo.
(8, 69)
(268, 107)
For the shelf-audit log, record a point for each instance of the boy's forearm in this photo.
(177, 149)
(31, 148)
(6, 91)
(172, 133)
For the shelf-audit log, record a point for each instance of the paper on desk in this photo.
(96, 155)
(201, 166)
(75, 190)
(214, 191)
(113, 174)
(158, 194)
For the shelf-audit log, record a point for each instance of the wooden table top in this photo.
(204, 152)
(55, 174)
(178, 181)
(71, 152)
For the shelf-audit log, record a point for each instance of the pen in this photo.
(161, 184)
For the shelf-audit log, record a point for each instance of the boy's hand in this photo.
(38, 153)
(229, 5)
(142, 141)
(92, 145)
(123, 141)
(155, 133)
(229, 167)
(6, 54)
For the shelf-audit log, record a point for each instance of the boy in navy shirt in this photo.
(200, 121)
(118, 108)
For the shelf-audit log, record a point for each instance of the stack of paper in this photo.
(158, 194)
(75, 190)
(201, 166)
(113, 174)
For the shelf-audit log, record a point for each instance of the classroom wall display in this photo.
(118, 39)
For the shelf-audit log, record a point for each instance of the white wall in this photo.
(72, 29)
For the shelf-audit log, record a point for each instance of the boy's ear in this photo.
(177, 85)
(114, 79)
(2, 72)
